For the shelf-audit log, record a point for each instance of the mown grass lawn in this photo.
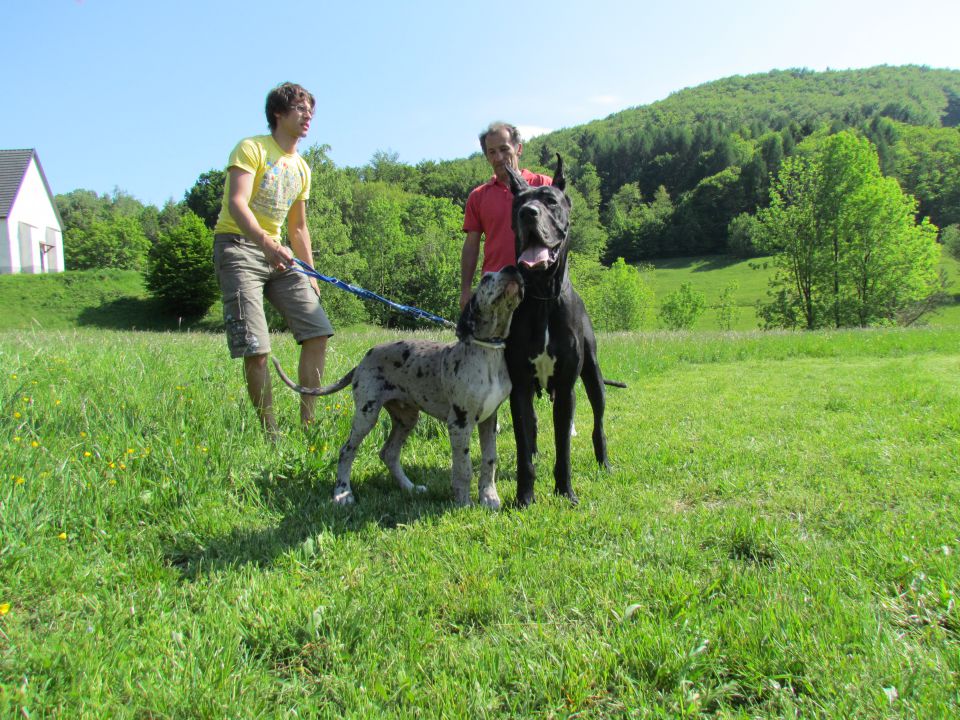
(779, 537)
(711, 274)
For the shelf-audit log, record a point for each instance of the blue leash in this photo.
(367, 295)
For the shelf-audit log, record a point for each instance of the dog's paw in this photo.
(419, 489)
(569, 494)
(344, 497)
(525, 499)
(491, 501)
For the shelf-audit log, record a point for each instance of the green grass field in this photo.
(779, 538)
(711, 274)
(118, 300)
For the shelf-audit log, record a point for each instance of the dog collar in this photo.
(492, 343)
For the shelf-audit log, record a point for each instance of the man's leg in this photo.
(313, 355)
(256, 374)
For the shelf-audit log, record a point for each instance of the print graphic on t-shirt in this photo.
(280, 186)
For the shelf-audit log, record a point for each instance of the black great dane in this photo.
(551, 341)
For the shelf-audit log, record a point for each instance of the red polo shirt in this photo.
(489, 210)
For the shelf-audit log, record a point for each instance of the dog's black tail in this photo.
(612, 383)
(325, 390)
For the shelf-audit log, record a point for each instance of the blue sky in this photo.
(145, 96)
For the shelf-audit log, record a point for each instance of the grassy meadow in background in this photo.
(779, 537)
(118, 299)
(711, 274)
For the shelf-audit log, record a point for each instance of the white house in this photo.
(31, 232)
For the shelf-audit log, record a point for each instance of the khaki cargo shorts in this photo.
(245, 278)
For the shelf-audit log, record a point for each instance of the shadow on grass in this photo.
(700, 263)
(309, 515)
(132, 313)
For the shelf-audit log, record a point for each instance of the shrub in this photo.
(950, 237)
(617, 298)
(727, 310)
(180, 272)
(682, 308)
(741, 235)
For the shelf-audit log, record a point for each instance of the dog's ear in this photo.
(467, 324)
(517, 183)
(559, 181)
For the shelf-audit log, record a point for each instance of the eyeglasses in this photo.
(303, 109)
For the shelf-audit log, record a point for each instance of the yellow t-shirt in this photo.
(279, 180)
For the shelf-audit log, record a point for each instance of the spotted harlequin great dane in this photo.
(461, 384)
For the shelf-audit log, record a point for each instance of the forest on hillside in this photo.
(683, 176)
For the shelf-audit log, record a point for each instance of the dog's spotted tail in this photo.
(325, 390)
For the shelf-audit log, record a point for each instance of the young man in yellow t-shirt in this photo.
(268, 183)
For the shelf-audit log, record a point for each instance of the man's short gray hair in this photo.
(515, 138)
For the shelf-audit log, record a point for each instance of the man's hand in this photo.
(277, 256)
(465, 297)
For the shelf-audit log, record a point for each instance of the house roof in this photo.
(13, 167)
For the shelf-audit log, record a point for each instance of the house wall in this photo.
(6, 259)
(32, 221)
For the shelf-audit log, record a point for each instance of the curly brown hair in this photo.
(283, 98)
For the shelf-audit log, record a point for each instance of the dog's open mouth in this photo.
(538, 257)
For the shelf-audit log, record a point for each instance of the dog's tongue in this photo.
(534, 256)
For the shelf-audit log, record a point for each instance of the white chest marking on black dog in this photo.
(544, 362)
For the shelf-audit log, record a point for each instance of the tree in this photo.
(180, 272)
(206, 196)
(117, 242)
(848, 248)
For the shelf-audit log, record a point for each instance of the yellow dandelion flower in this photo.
(4, 608)
(34, 443)
(313, 449)
(16, 415)
(57, 402)
(20, 481)
(130, 451)
(87, 453)
(62, 536)
(122, 466)
(111, 481)
(112, 465)
(16, 439)
(82, 434)
(13, 377)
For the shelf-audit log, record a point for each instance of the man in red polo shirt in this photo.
(489, 207)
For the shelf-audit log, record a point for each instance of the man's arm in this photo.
(468, 265)
(238, 203)
(299, 235)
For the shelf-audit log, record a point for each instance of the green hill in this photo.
(713, 148)
(114, 299)
(117, 299)
(712, 273)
